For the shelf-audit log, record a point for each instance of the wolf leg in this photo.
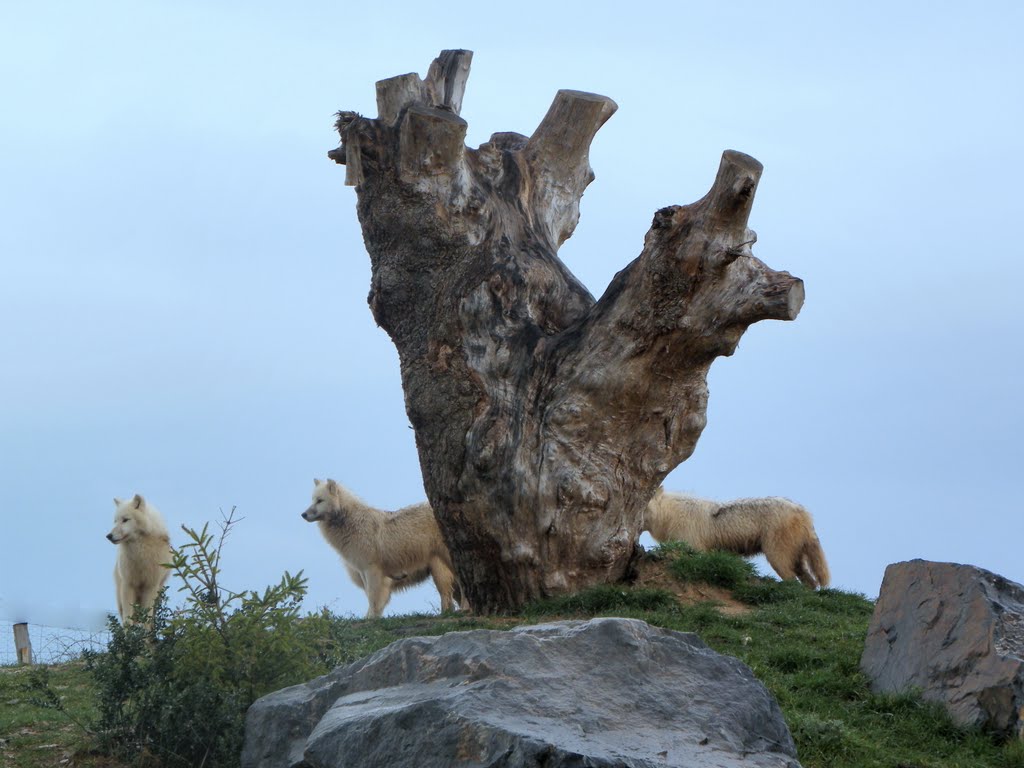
(444, 580)
(378, 592)
(782, 545)
(803, 572)
(119, 588)
(356, 576)
(780, 563)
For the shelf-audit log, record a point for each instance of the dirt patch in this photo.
(654, 574)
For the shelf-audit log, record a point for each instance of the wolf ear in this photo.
(138, 501)
(331, 485)
(316, 481)
(117, 502)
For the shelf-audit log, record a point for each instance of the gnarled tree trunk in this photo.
(544, 419)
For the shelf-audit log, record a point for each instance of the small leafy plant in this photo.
(176, 687)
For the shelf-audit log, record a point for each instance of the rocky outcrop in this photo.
(605, 692)
(956, 633)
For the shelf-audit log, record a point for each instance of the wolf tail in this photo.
(815, 558)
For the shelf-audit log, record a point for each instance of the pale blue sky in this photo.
(183, 281)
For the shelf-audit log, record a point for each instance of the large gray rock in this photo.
(956, 633)
(606, 692)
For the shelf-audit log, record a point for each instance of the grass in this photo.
(720, 569)
(804, 645)
(33, 734)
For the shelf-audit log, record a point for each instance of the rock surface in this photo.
(956, 633)
(605, 692)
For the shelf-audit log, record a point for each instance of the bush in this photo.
(177, 687)
(602, 598)
(722, 569)
(670, 550)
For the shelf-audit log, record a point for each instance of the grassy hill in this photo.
(804, 645)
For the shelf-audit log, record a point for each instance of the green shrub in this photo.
(601, 599)
(670, 550)
(722, 569)
(178, 687)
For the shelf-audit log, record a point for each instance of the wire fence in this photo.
(51, 645)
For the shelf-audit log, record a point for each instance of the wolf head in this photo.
(130, 519)
(322, 492)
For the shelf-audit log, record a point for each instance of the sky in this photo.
(183, 279)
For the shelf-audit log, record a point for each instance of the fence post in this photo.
(22, 643)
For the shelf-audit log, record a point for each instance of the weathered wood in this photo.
(446, 79)
(544, 419)
(432, 143)
(558, 154)
(395, 94)
(22, 643)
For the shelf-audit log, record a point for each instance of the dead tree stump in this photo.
(544, 419)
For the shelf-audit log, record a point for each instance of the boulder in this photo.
(956, 634)
(605, 692)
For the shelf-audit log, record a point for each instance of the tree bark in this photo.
(544, 419)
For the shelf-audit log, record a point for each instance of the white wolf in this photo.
(143, 546)
(384, 551)
(778, 527)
